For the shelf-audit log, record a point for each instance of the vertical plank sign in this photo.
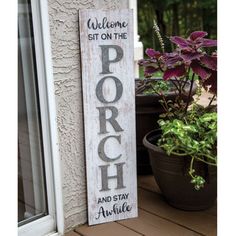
(106, 39)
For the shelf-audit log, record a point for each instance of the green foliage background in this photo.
(175, 17)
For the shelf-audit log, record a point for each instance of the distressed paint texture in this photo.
(63, 16)
(110, 148)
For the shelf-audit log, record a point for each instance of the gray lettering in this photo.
(111, 120)
(105, 177)
(106, 61)
(101, 151)
(99, 91)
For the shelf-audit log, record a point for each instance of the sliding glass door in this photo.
(36, 205)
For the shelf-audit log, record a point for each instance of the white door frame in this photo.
(54, 221)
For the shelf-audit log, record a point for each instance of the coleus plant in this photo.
(189, 56)
(186, 132)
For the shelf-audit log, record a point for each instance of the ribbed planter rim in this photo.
(149, 145)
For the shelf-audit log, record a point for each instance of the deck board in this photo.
(152, 225)
(72, 233)
(113, 229)
(156, 218)
(197, 221)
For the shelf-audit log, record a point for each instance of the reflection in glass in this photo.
(31, 186)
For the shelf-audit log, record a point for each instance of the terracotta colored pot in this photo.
(171, 175)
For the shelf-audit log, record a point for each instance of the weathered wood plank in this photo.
(72, 233)
(152, 225)
(198, 221)
(108, 229)
(106, 39)
(213, 233)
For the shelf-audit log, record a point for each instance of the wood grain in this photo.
(108, 229)
(152, 225)
(91, 74)
(157, 218)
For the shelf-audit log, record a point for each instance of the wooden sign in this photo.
(106, 39)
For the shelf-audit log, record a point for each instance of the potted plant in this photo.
(148, 110)
(183, 151)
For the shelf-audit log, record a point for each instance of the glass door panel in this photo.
(32, 202)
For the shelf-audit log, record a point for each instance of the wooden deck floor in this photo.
(156, 218)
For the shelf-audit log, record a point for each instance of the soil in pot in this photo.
(148, 110)
(171, 175)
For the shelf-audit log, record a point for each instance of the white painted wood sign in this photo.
(106, 39)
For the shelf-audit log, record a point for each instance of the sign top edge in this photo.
(106, 10)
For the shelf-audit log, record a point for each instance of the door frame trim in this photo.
(55, 220)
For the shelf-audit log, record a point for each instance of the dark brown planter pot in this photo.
(148, 110)
(171, 175)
